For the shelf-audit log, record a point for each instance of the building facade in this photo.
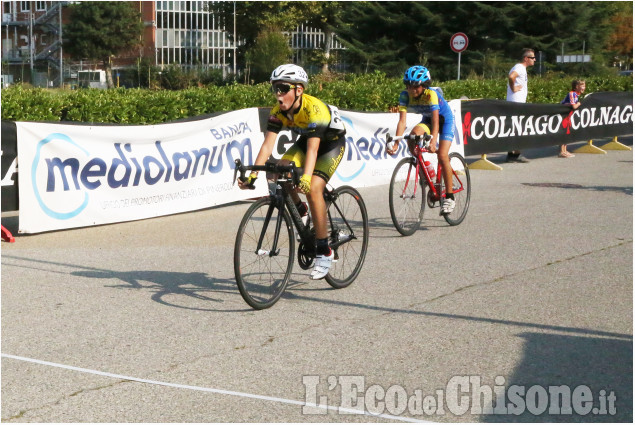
(183, 33)
(32, 42)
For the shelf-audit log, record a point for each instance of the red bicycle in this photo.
(408, 187)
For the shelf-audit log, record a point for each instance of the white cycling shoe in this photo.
(448, 206)
(322, 266)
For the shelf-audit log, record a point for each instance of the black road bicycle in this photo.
(265, 244)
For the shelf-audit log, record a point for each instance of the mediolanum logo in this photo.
(75, 202)
(64, 173)
(360, 149)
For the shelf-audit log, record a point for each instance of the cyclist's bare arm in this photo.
(401, 127)
(263, 155)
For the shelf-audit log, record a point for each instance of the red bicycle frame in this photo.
(420, 165)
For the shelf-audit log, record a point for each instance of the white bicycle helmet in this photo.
(290, 73)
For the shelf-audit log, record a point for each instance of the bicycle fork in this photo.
(277, 205)
(416, 180)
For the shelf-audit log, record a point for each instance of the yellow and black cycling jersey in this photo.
(314, 118)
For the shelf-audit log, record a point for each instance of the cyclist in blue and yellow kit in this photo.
(437, 116)
(319, 149)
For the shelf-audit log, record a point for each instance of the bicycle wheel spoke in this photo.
(462, 189)
(349, 218)
(406, 197)
(262, 277)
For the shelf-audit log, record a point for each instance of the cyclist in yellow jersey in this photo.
(319, 149)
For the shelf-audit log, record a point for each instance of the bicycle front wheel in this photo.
(262, 274)
(406, 197)
(462, 189)
(348, 226)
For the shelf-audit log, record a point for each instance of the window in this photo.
(40, 5)
(7, 7)
(25, 6)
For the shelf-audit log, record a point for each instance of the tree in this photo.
(327, 17)
(621, 39)
(393, 35)
(255, 17)
(270, 50)
(390, 36)
(102, 29)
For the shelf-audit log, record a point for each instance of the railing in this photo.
(48, 51)
(49, 13)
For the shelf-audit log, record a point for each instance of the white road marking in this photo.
(209, 390)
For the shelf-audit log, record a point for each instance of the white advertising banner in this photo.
(83, 175)
(366, 162)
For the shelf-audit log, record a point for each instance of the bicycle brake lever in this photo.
(294, 174)
(239, 166)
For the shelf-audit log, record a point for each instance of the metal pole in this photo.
(459, 75)
(61, 50)
(234, 40)
(31, 42)
(562, 57)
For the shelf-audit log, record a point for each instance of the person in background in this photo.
(517, 90)
(572, 99)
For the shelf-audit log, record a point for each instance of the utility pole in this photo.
(234, 41)
(31, 43)
(61, 50)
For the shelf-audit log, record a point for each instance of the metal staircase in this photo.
(41, 30)
(49, 24)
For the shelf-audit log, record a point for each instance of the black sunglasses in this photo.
(531, 57)
(281, 88)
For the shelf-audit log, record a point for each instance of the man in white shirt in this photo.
(517, 91)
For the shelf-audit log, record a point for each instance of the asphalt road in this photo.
(143, 322)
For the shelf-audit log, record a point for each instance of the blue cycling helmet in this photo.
(416, 75)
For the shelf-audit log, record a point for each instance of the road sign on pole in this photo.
(458, 43)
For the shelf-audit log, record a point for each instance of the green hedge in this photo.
(369, 92)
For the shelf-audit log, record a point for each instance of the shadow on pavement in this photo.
(604, 365)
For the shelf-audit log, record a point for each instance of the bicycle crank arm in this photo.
(342, 241)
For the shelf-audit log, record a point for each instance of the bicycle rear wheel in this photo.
(462, 189)
(261, 275)
(348, 221)
(406, 197)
